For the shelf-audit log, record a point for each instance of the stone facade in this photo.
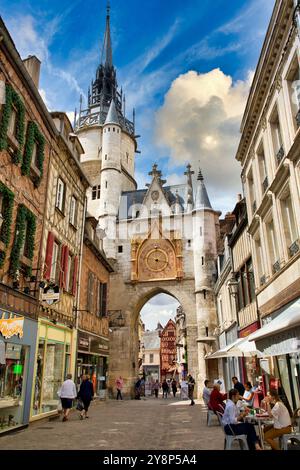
(163, 239)
(271, 166)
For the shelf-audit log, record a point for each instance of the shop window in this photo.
(37, 393)
(52, 375)
(12, 385)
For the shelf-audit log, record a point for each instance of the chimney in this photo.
(33, 66)
(239, 196)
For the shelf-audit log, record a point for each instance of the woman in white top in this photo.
(282, 420)
(67, 393)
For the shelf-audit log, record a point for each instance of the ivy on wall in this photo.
(12, 98)
(24, 215)
(7, 210)
(34, 136)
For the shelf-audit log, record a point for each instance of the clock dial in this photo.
(157, 260)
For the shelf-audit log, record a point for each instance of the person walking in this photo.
(191, 386)
(238, 386)
(119, 385)
(67, 394)
(165, 388)
(86, 394)
(174, 387)
(156, 387)
(137, 389)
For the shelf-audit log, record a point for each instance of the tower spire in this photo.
(107, 46)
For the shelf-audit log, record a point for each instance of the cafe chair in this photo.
(210, 416)
(293, 437)
(229, 440)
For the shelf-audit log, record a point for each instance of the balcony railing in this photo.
(265, 184)
(294, 248)
(280, 155)
(262, 280)
(254, 206)
(276, 267)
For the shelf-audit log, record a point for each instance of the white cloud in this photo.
(199, 122)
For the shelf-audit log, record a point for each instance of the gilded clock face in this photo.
(157, 260)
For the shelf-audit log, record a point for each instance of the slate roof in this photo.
(112, 115)
(151, 340)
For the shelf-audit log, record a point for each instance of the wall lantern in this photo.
(233, 286)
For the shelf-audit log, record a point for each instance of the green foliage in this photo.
(34, 136)
(24, 215)
(13, 98)
(7, 204)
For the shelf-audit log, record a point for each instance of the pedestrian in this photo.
(191, 386)
(165, 388)
(238, 386)
(232, 421)
(282, 421)
(206, 392)
(86, 394)
(67, 394)
(174, 387)
(156, 387)
(119, 385)
(137, 389)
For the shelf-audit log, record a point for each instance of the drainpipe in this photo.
(78, 279)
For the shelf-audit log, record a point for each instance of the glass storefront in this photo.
(12, 384)
(283, 374)
(96, 367)
(52, 365)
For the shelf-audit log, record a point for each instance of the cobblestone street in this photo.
(148, 424)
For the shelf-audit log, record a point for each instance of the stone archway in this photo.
(124, 314)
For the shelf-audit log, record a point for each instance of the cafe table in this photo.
(259, 419)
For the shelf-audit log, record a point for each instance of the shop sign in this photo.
(248, 330)
(83, 343)
(13, 351)
(50, 295)
(98, 346)
(12, 327)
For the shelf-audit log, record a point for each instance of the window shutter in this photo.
(74, 286)
(62, 265)
(104, 301)
(65, 266)
(49, 255)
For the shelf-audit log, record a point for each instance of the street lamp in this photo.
(233, 287)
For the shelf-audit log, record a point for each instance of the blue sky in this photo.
(160, 49)
(186, 66)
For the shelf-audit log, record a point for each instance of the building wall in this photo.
(276, 251)
(89, 321)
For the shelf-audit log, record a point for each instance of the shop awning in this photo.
(224, 351)
(245, 348)
(281, 335)
(289, 318)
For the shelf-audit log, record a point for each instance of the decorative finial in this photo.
(108, 8)
(200, 176)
